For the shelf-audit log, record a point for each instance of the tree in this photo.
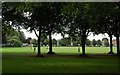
(9, 20)
(21, 36)
(94, 42)
(34, 43)
(32, 17)
(116, 20)
(53, 13)
(35, 21)
(54, 42)
(79, 20)
(65, 41)
(88, 42)
(99, 43)
(46, 42)
(9, 35)
(44, 39)
(6, 31)
(44, 18)
(28, 40)
(14, 41)
(104, 22)
(76, 41)
(105, 42)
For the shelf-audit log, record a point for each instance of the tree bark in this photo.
(83, 40)
(117, 40)
(50, 44)
(111, 49)
(39, 49)
(71, 41)
(39, 37)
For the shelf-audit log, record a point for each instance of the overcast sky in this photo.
(58, 36)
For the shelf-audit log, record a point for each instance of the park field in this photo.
(66, 60)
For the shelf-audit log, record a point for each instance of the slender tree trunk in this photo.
(50, 44)
(39, 49)
(83, 46)
(83, 40)
(39, 52)
(111, 49)
(57, 42)
(71, 41)
(117, 40)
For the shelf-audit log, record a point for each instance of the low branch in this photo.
(87, 32)
(36, 33)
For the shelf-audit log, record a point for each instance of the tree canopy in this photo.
(76, 19)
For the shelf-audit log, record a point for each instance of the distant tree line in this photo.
(67, 42)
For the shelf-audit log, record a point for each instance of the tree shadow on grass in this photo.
(93, 56)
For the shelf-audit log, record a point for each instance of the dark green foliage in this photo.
(75, 19)
(34, 42)
(105, 42)
(65, 42)
(44, 39)
(28, 40)
(54, 42)
(6, 31)
(45, 42)
(12, 37)
(94, 43)
(44, 18)
(79, 21)
(9, 20)
(107, 20)
(88, 42)
(14, 43)
(99, 43)
(21, 36)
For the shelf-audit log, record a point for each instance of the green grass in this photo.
(63, 50)
(66, 60)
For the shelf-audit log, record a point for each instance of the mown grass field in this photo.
(66, 60)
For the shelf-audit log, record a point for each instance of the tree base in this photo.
(84, 55)
(51, 53)
(111, 52)
(39, 55)
(118, 55)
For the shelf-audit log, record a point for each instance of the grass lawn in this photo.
(66, 60)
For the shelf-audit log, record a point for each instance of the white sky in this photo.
(58, 36)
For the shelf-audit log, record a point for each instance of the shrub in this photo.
(15, 43)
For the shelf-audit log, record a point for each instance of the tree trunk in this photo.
(50, 44)
(117, 40)
(83, 40)
(39, 49)
(111, 49)
(57, 42)
(71, 42)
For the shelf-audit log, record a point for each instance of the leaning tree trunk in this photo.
(50, 44)
(111, 49)
(117, 39)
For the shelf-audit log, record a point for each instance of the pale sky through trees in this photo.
(58, 36)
